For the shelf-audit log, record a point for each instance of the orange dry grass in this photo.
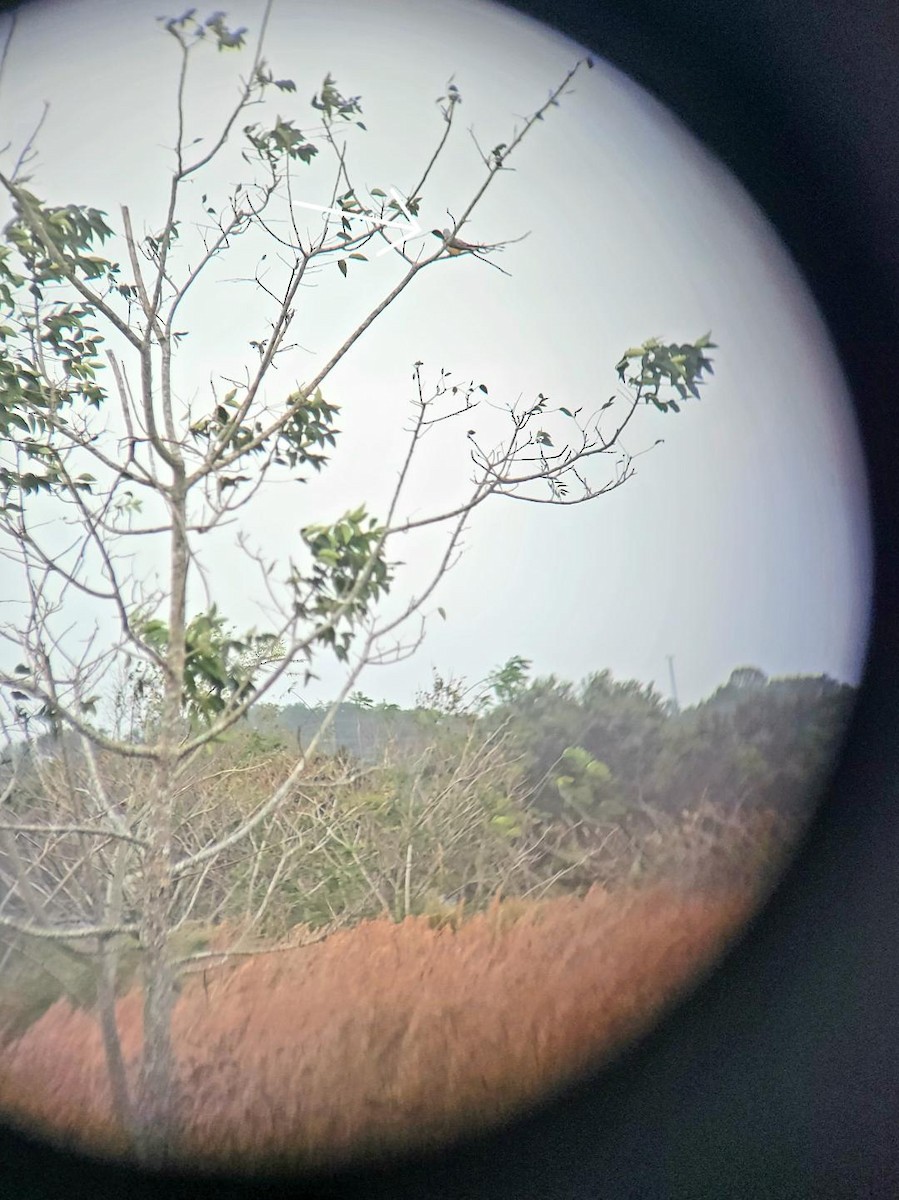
(385, 1035)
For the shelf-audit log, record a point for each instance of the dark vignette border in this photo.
(779, 1077)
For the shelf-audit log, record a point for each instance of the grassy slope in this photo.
(385, 1035)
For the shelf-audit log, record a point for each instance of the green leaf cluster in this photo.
(331, 103)
(66, 236)
(49, 345)
(507, 682)
(284, 139)
(349, 572)
(265, 78)
(220, 669)
(187, 28)
(680, 367)
(297, 443)
(587, 785)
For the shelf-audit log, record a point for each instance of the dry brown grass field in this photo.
(386, 1036)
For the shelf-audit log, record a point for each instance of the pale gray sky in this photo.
(743, 539)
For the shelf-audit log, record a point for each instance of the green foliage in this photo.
(296, 444)
(282, 140)
(587, 786)
(49, 345)
(53, 243)
(755, 741)
(445, 817)
(188, 30)
(219, 669)
(679, 366)
(618, 724)
(349, 572)
(330, 103)
(711, 784)
(508, 681)
(505, 815)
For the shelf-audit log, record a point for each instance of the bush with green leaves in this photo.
(587, 786)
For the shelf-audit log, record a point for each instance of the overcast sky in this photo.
(742, 539)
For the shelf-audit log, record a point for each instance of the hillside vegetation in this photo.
(462, 904)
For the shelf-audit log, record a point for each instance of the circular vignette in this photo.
(720, 1099)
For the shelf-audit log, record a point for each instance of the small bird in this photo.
(455, 245)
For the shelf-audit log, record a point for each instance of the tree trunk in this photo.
(157, 1102)
(106, 997)
(112, 1046)
(157, 1107)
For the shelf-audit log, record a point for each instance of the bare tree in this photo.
(104, 462)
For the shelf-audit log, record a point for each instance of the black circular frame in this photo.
(779, 1075)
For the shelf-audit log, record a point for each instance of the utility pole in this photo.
(674, 701)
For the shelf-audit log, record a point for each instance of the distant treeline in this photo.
(756, 741)
(360, 731)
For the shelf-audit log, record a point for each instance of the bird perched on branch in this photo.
(455, 246)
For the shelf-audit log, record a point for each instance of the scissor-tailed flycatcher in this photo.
(455, 245)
